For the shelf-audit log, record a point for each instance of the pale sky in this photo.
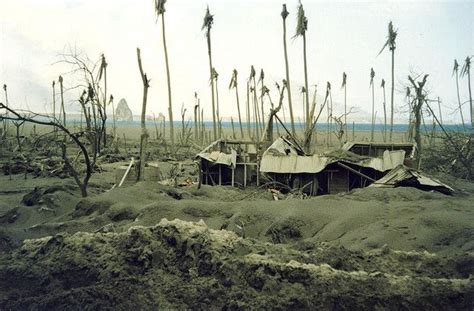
(342, 36)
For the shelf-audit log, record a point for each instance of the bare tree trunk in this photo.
(459, 101)
(209, 52)
(219, 130)
(345, 108)
(62, 100)
(196, 109)
(470, 99)
(373, 115)
(307, 123)
(168, 79)
(385, 117)
(392, 93)
(104, 110)
(144, 134)
(233, 129)
(249, 130)
(290, 105)
(238, 110)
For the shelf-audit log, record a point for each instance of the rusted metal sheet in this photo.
(403, 176)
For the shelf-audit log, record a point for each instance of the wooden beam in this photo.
(355, 171)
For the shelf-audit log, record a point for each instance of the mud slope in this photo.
(178, 264)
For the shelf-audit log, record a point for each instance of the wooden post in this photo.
(233, 176)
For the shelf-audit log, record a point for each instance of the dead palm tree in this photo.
(233, 84)
(420, 98)
(160, 10)
(391, 37)
(301, 28)
(261, 80)
(344, 85)
(254, 100)
(284, 15)
(456, 72)
(372, 75)
(410, 113)
(207, 25)
(466, 71)
(382, 85)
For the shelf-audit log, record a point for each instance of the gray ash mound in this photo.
(178, 264)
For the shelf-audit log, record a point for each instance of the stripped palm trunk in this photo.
(144, 133)
(391, 38)
(261, 80)
(372, 75)
(160, 10)
(249, 130)
(61, 89)
(5, 122)
(466, 71)
(344, 85)
(233, 84)
(219, 121)
(456, 72)
(208, 21)
(284, 15)
(301, 28)
(384, 112)
(417, 108)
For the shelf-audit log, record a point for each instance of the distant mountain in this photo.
(123, 112)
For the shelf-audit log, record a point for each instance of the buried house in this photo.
(329, 173)
(229, 162)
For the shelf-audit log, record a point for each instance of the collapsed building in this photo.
(328, 173)
(229, 162)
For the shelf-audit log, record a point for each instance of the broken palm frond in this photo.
(160, 7)
(391, 37)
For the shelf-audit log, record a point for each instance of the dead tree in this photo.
(89, 75)
(144, 134)
(417, 110)
(81, 182)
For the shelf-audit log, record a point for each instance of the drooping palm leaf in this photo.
(262, 76)
(160, 7)
(252, 73)
(208, 21)
(466, 67)
(302, 21)
(382, 84)
(372, 75)
(233, 80)
(391, 37)
(455, 67)
(284, 12)
(344, 80)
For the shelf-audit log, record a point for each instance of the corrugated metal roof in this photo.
(402, 175)
(281, 157)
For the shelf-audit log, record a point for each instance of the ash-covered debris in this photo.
(178, 264)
